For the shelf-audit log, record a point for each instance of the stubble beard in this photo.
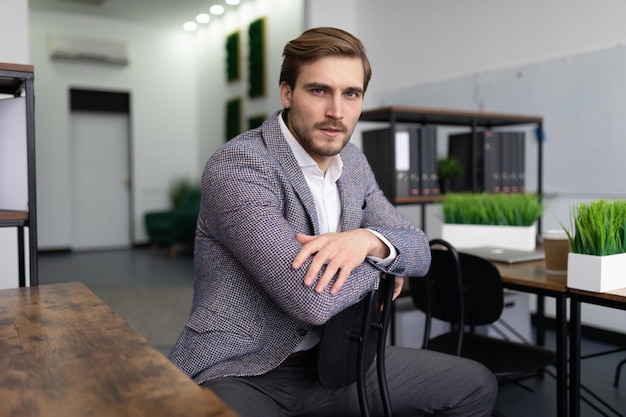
(305, 137)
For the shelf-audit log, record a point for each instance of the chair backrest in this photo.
(338, 350)
(343, 334)
(352, 339)
(459, 288)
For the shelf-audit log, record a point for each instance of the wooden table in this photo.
(532, 277)
(65, 353)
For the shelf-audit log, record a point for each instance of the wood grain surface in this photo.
(64, 352)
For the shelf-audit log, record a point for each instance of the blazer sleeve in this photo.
(413, 259)
(250, 208)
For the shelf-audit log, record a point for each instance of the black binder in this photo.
(520, 161)
(472, 159)
(415, 150)
(430, 178)
(384, 151)
(492, 148)
(508, 161)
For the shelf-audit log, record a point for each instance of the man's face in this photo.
(325, 105)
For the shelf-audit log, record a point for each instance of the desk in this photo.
(531, 277)
(63, 352)
(612, 299)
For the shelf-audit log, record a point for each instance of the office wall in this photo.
(283, 21)
(14, 27)
(14, 31)
(161, 80)
(178, 96)
(415, 42)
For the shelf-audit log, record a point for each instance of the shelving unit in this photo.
(17, 83)
(395, 115)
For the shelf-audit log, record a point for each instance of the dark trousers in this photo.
(420, 383)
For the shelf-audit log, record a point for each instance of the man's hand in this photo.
(397, 287)
(397, 290)
(341, 252)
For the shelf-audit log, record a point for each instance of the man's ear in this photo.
(285, 94)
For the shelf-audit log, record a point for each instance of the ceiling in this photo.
(167, 14)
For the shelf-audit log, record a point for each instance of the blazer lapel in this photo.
(277, 145)
(351, 205)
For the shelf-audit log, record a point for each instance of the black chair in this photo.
(618, 370)
(350, 341)
(466, 291)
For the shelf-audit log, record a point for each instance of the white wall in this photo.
(433, 40)
(178, 96)
(162, 81)
(283, 22)
(340, 14)
(13, 49)
(14, 32)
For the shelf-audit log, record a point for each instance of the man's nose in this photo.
(335, 108)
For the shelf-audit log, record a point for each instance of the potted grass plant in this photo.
(597, 258)
(483, 219)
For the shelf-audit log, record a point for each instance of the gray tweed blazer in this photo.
(250, 308)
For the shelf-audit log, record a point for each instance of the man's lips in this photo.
(332, 130)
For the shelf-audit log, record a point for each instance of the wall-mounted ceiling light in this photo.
(203, 18)
(190, 26)
(217, 9)
(232, 2)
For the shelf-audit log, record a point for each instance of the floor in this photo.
(143, 267)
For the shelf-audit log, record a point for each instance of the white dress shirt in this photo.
(323, 186)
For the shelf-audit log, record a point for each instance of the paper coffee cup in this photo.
(556, 248)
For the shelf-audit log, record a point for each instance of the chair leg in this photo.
(383, 326)
(617, 373)
(361, 362)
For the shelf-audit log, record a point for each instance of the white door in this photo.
(100, 180)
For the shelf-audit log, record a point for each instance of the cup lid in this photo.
(555, 234)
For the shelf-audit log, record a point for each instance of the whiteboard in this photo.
(582, 100)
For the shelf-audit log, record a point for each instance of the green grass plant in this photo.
(501, 209)
(599, 228)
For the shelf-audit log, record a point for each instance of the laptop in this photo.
(505, 255)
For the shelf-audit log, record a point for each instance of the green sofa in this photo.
(177, 226)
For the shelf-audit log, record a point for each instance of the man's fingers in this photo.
(342, 277)
(307, 250)
(302, 238)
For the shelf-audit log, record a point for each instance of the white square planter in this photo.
(474, 235)
(596, 273)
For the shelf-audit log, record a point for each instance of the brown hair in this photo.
(317, 43)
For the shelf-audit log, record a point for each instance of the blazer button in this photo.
(302, 332)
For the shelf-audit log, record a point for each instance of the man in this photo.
(294, 229)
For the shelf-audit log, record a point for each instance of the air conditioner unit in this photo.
(85, 49)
